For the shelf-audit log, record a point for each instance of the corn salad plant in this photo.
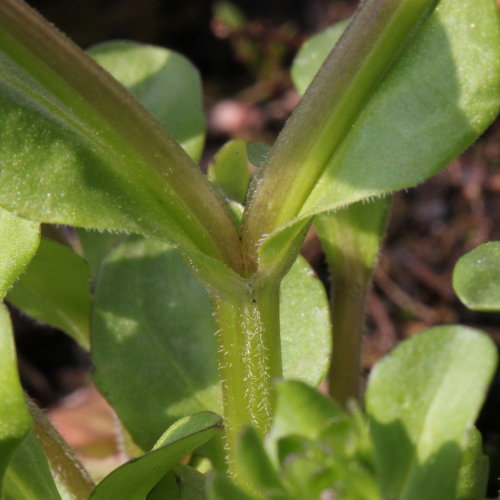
(208, 332)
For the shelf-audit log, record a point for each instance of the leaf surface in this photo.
(151, 313)
(28, 476)
(421, 400)
(433, 102)
(476, 278)
(76, 148)
(19, 239)
(15, 421)
(55, 290)
(135, 479)
(164, 82)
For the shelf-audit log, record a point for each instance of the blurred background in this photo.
(244, 49)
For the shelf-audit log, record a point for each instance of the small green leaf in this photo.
(476, 278)
(313, 52)
(257, 153)
(95, 245)
(302, 410)
(182, 483)
(150, 312)
(221, 488)
(473, 473)
(28, 476)
(135, 479)
(15, 421)
(19, 241)
(164, 82)
(55, 290)
(229, 170)
(253, 459)
(421, 400)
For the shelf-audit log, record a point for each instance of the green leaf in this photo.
(257, 153)
(221, 488)
(229, 170)
(312, 54)
(421, 400)
(55, 290)
(259, 470)
(434, 101)
(151, 313)
(473, 474)
(14, 417)
(70, 477)
(95, 245)
(182, 483)
(28, 476)
(135, 479)
(19, 241)
(78, 149)
(302, 410)
(164, 82)
(476, 278)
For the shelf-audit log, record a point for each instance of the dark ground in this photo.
(248, 94)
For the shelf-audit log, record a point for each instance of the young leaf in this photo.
(150, 312)
(55, 290)
(135, 479)
(182, 483)
(89, 154)
(421, 400)
(28, 476)
(14, 416)
(476, 278)
(229, 170)
(260, 473)
(19, 241)
(302, 410)
(164, 82)
(437, 97)
(221, 488)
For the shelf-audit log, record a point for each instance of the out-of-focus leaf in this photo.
(476, 278)
(28, 476)
(182, 483)
(311, 55)
(135, 479)
(257, 153)
(95, 245)
(221, 488)
(15, 421)
(55, 290)
(164, 82)
(19, 240)
(151, 313)
(253, 459)
(473, 473)
(421, 400)
(229, 170)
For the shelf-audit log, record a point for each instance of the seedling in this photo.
(207, 303)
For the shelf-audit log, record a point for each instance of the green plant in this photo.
(408, 87)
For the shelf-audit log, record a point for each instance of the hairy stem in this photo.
(249, 359)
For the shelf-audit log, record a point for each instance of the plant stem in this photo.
(351, 240)
(249, 358)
